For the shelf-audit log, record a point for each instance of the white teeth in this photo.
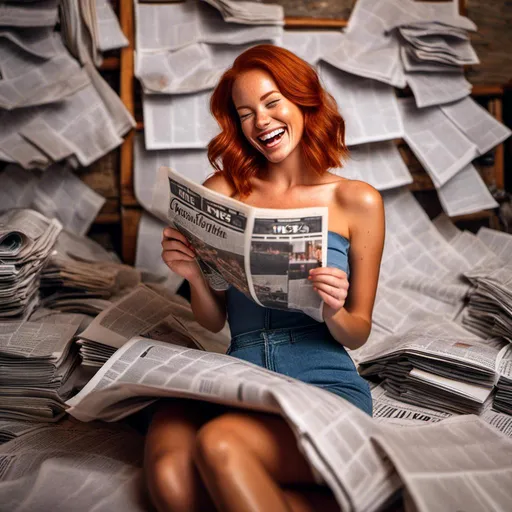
(271, 134)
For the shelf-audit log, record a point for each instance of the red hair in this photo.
(323, 141)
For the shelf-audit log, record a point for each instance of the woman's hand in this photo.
(332, 285)
(179, 255)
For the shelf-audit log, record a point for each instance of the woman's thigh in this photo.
(267, 437)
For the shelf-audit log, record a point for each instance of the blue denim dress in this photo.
(294, 344)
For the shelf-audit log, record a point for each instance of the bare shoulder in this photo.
(220, 183)
(358, 197)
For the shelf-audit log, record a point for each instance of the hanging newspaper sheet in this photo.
(265, 253)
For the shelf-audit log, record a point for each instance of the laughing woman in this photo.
(280, 134)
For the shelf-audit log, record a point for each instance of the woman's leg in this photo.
(171, 476)
(244, 459)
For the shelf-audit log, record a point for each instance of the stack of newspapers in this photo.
(438, 366)
(150, 312)
(82, 277)
(250, 13)
(489, 311)
(26, 241)
(37, 359)
(503, 397)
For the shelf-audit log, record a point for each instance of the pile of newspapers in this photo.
(503, 397)
(53, 107)
(26, 241)
(37, 359)
(437, 366)
(82, 277)
(489, 311)
(250, 13)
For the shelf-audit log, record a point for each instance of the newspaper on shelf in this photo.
(26, 241)
(465, 193)
(335, 437)
(30, 14)
(251, 13)
(11, 429)
(178, 122)
(40, 42)
(168, 27)
(480, 127)
(310, 45)
(377, 163)
(153, 313)
(499, 242)
(442, 367)
(368, 107)
(265, 253)
(192, 163)
(439, 145)
(76, 466)
(56, 194)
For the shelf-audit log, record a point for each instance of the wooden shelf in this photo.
(110, 64)
(311, 23)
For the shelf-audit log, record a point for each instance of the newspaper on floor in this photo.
(11, 429)
(251, 13)
(439, 145)
(442, 367)
(475, 122)
(156, 315)
(368, 107)
(336, 437)
(76, 466)
(148, 255)
(178, 122)
(265, 253)
(26, 241)
(192, 163)
(377, 163)
(465, 193)
(161, 27)
(503, 397)
(37, 359)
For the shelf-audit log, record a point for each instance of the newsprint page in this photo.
(265, 253)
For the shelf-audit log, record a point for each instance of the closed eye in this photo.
(272, 103)
(245, 116)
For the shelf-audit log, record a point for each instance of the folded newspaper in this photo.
(265, 253)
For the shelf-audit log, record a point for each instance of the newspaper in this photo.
(378, 163)
(480, 127)
(173, 26)
(368, 107)
(249, 12)
(178, 122)
(437, 143)
(335, 437)
(265, 253)
(465, 193)
(192, 163)
(499, 242)
(310, 45)
(43, 14)
(76, 466)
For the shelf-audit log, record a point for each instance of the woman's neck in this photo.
(290, 172)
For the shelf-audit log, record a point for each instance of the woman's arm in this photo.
(350, 320)
(208, 305)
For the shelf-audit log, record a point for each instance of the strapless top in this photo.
(244, 315)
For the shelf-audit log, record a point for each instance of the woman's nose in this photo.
(262, 120)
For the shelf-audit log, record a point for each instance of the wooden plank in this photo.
(110, 64)
(130, 218)
(126, 18)
(311, 23)
(496, 107)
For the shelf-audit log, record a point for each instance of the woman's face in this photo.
(272, 124)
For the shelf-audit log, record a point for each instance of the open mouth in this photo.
(271, 139)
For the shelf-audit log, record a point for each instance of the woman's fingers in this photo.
(328, 271)
(171, 233)
(329, 300)
(329, 279)
(174, 256)
(175, 245)
(339, 294)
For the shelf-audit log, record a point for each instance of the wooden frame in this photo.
(130, 209)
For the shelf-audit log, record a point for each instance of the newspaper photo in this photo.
(265, 253)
